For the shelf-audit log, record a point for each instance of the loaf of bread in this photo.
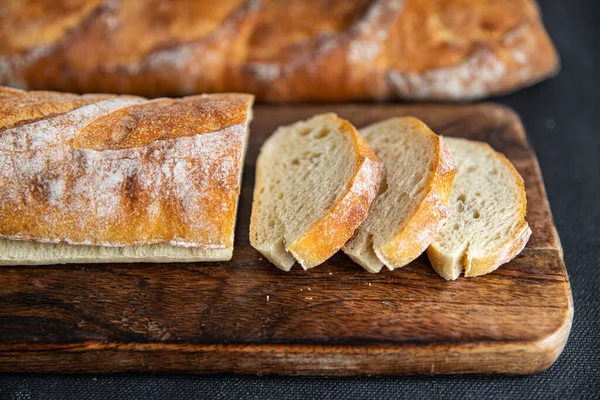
(486, 226)
(418, 173)
(319, 50)
(118, 178)
(315, 182)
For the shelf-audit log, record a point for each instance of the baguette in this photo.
(315, 182)
(487, 226)
(418, 172)
(279, 50)
(118, 178)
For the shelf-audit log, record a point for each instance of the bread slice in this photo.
(315, 182)
(487, 226)
(411, 206)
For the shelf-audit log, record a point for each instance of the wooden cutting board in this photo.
(246, 316)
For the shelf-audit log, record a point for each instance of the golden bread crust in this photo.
(122, 171)
(513, 246)
(310, 50)
(20, 108)
(163, 119)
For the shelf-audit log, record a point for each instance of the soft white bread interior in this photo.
(486, 227)
(410, 208)
(315, 182)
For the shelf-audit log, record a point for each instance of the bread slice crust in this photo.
(411, 238)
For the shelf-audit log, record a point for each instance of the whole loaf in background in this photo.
(279, 50)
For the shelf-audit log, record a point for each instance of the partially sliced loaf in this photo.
(487, 226)
(103, 178)
(315, 182)
(418, 172)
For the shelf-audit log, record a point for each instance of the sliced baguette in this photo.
(487, 226)
(411, 207)
(315, 182)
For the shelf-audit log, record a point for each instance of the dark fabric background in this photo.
(561, 117)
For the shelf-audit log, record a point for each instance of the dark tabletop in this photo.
(560, 116)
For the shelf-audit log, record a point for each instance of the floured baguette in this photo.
(280, 50)
(315, 182)
(101, 178)
(418, 172)
(487, 226)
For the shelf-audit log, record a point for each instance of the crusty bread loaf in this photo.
(315, 182)
(99, 177)
(487, 226)
(410, 208)
(303, 50)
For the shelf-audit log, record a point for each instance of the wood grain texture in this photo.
(246, 316)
